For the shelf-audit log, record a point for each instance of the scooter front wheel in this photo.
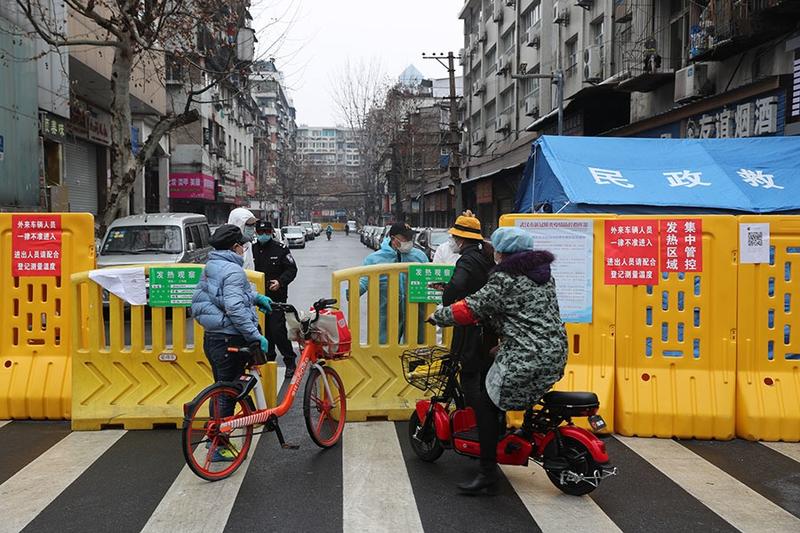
(424, 441)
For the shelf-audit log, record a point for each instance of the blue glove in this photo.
(264, 343)
(264, 303)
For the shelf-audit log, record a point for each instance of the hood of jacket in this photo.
(228, 256)
(534, 264)
(239, 217)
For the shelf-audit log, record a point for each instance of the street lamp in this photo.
(557, 79)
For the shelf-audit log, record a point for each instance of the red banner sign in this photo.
(682, 245)
(631, 254)
(36, 245)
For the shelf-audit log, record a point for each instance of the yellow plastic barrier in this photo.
(373, 374)
(135, 373)
(768, 372)
(35, 373)
(676, 345)
(590, 363)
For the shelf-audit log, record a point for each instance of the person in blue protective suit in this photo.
(398, 247)
(223, 304)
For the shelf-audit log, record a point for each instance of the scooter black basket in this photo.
(427, 368)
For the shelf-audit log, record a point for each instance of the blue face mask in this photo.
(249, 232)
(264, 238)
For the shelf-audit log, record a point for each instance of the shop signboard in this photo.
(191, 186)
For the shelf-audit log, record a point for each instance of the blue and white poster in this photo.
(571, 241)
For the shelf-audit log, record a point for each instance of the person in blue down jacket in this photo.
(398, 247)
(223, 304)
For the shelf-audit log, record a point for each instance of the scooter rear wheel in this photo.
(580, 462)
(425, 444)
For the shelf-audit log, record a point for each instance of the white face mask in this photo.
(405, 247)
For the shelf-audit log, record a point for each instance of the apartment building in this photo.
(275, 140)
(211, 165)
(671, 68)
(328, 184)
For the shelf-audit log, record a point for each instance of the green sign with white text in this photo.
(419, 279)
(173, 286)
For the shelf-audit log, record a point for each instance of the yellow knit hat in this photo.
(467, 226)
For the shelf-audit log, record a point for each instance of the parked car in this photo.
(156, 238)
(295, 236)
(308, 228)
(429, 239)
(277, 235)
(317, 228)
(365, 234)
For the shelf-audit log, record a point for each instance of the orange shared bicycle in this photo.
(218, 425)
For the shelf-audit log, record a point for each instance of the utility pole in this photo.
(455, 157)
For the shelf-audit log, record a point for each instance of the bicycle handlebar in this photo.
(323, 303)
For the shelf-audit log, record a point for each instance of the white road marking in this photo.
(734, 501)
(552, 509)
(789, 449)
(377, 493)
(193, 504)
(29, 491)
(4, 422)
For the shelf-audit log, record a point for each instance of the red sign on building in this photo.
(682, 245)
(631, 254)
(36, 245)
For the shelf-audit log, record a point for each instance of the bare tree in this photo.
(139, 33)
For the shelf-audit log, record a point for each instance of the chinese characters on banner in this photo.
(682, 245)
(36, 245)
(631, 256)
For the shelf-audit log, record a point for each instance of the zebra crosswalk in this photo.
(52, 479)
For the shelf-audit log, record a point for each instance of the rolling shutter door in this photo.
(81, 176)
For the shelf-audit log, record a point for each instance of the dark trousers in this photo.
(225, 366)
(488, 416)
(278, 337)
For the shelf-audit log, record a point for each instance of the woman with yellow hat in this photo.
(473, 343)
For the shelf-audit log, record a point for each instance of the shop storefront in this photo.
(86, 156)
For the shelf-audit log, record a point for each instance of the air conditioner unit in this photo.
(478, 137)
(592, 63)
(692, 82)
(531, 106)
(478, 88)
(501, 123)
(462, 58)
(585, 4)
(482, 35)
(502, 65)
(560, 17)
(497, 11)
(473, 42)
(534, 38)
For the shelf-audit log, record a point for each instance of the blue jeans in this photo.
(225, 366)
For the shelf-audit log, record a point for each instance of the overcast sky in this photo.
(316, 37)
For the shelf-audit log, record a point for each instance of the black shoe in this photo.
(483, 483)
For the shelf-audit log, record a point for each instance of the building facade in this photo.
(656, 68)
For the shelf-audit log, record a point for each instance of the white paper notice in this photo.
(572, 243)
(754, 243)
(125, 283)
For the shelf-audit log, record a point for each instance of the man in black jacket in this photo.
(279, 269)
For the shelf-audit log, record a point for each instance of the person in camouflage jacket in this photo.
(519, 303)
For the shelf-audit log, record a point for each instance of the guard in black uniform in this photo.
(279, 269)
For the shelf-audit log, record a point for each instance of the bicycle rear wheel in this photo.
(325, 415)
(210, 454)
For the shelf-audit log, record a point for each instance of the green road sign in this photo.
(173, 286)
(420, 276)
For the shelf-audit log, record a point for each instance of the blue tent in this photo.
(633, 175)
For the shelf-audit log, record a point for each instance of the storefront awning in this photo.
(627, 175)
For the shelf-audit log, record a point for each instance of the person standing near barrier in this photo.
(223, 304)
(279, 268)
(398, 247)
(246, 222)
(519, 303)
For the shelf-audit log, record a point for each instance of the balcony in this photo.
(642, 68)
(729, 27)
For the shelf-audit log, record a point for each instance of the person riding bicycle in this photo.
(519, 303)
(223, 304)
(472, 343)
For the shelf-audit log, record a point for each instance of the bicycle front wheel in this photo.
(324, 413)
(211, 454)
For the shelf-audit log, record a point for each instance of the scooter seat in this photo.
(569, 399)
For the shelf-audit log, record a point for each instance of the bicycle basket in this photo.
(427, 368)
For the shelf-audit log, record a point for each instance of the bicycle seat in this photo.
(565, 399)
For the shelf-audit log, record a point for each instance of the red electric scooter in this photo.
(574, 459)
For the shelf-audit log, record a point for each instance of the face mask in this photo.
(405, 247)
(249, 232)
(265, 238)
